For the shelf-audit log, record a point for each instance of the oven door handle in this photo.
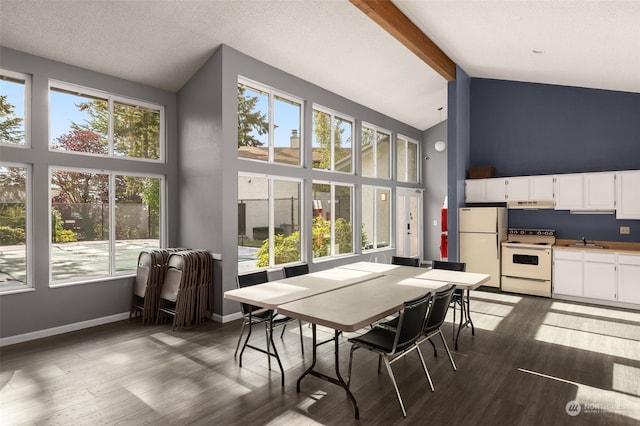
(542, 280)
(528, 248)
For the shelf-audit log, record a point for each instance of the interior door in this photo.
(409, 222)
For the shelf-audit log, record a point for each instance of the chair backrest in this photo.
(293, 271)
(248, 280)
(411, 322)
(439, 308)
(405, 261)
(450, 266)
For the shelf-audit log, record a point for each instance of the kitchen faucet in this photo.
(584, 241)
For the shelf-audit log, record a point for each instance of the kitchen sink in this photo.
(588, 245)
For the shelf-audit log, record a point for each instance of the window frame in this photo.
(111, 98)
(272, 225)
(29, 283)
(26, 78)
(332, 238)
(376, 130)
(112, 273)
(405, 178)
(272, 94)
(391, 242)
(333, 116)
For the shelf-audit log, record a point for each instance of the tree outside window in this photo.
(12, 109)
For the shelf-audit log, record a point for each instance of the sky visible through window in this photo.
(62, 112)
(15, 96)
(287, 118)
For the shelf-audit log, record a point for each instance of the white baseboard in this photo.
(20, 338)
(226, 318)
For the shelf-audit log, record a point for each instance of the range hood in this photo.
(530, 205)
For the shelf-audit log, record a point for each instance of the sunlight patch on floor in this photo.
(577, 339)
(626, 379)
(593, 325)
(606, 313)
(598, 401)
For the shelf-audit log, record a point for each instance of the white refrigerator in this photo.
(481, 232)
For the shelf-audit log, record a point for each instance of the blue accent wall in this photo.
(530, 129)
(458, 132)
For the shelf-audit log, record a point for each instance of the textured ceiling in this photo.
(331, 43)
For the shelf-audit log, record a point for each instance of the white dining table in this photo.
(351, 308)
(464, 281)
(348, 298)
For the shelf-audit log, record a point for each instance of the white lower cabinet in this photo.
(567, 272)
(600, 276)
(629, 278)
(608, 277)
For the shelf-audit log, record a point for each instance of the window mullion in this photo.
(110, 126)
(332, 227)
(271, 203)
(112, 224)
(272, 126)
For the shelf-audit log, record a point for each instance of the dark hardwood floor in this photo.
(528, 359)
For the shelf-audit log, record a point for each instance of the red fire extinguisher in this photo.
(444, 237)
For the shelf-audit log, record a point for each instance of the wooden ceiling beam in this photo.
(396, 23)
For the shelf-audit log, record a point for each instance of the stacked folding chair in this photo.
(204, 286)
(185, 291)
(152, 265)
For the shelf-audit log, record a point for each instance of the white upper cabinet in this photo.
(491, 190)
(600, 191)
(541, 188)
(518, 188)
(585, 191)
(569, 192)
(495, 190)
(628, 195)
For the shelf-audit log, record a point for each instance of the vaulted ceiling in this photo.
(333, 44)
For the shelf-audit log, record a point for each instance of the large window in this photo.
(408, 160)
(14, 232)
(376, 158)
(91, 122)
(332, 228)
(376, 217)
(332, 141)
(14, 126)
(269, 124)
(268, 221)
(100, 221)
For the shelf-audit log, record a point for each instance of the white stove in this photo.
(526, 261)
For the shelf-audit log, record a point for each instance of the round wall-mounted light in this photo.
(440, 146)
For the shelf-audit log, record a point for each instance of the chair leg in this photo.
(395, 385)
(244, 322)
(266, 334)
(435, 352)
(353, 349)
(424, 367)
(284, 327)
(453, 364)
(301, 341)
(454, 318)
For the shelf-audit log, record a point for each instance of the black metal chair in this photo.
(405, 261)
(393, 344)
(294, 271)
(458, 295)
(437, 315)
(255, 315)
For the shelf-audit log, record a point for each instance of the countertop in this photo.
(610, 246)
